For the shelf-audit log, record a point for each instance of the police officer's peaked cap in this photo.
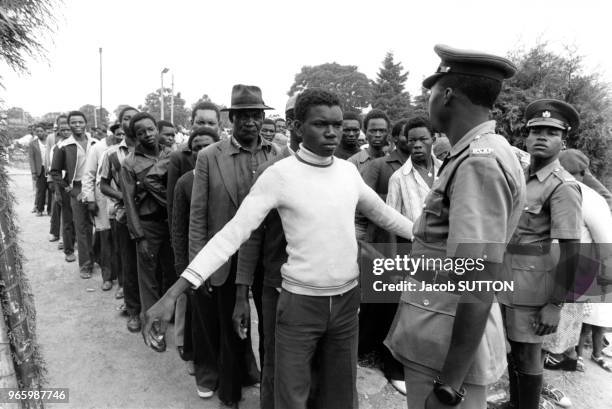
(469, 62)
(553, 113)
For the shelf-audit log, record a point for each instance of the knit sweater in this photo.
(316, 199)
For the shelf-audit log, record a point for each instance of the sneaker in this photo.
(546, 404)
(70, 257)
(555, 395)
(53, 238)
(204, 393)
(133, 323)
(60, 245)
(399, 385)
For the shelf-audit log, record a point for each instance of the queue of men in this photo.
(291, 208)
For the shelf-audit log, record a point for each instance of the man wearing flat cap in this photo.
(542, 278)
(223, 176)
(451, 343)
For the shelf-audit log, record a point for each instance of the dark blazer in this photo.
(35, 157)
(214, 199)
(181, 162)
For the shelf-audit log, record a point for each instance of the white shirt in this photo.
(407, 189)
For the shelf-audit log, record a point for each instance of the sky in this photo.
(209, 47)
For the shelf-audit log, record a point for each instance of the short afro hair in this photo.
(203, 131)
(279, 120)
(376, 114)
(313, 97)
(76, 113)
(479, 90)
(351, 116)
(60, 116)
(205, 106)
(139, 117)
(269, 121)
(418, 122)
(164, 124)
(124, 110)
(397, 127)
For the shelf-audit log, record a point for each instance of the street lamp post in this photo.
(172, 101)
(161, 92)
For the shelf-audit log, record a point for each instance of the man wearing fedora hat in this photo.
(223, 176)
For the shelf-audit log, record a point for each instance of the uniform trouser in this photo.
(116, 270)
(419, 385)
(129, 269)
(219, 354)
(374, 323)
(84, 231)
(67, 223)
(269, 299)
(105, 239)
(56, 213)
(328, 325)
(151, 270)
(42, 190)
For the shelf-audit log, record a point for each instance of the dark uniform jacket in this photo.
(218, 192)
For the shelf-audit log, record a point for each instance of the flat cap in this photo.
(573, 160)
(553, 113)
(469, 62)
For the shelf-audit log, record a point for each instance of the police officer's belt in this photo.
(532, 249)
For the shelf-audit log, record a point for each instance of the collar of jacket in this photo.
(235, 147)
(71, 141)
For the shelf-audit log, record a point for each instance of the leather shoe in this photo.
(119, 293)
(133, 323)
(107, 285)
(70, 257)
(85, 274)
(53, 238)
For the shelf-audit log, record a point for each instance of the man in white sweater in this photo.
(316, 197)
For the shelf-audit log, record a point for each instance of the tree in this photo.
(152, 105)
(91, 110)
(388, 90)
(352, 87)
(544, 74)
(18, 116)
(22, 25)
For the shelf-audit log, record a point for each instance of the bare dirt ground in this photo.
(88, 349)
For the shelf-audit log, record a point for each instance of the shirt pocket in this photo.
(430, 220)
(533, 277)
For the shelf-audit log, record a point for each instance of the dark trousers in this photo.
(56, 212)
(42, 191)
(84, 229)
(105, 239)
(374, 323)
(115, 254)
(269, 299)
(257, 289)
(151, 270)
(67, 222)
(328, 326)
(129, 269)
(217, 348)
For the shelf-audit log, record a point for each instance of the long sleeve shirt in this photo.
(316, 201)
(90, 178)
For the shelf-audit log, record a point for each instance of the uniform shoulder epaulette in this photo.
(563, 175)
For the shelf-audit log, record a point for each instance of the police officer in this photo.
(541, 276)
(451, 348)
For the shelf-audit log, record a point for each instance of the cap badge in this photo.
(546, 114)
(444, 68)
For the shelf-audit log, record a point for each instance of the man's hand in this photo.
(242, 312)
(160, 313)
(92, 208)
(547, 320)
(143, 248)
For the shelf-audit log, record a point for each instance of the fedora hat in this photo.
(246, 97)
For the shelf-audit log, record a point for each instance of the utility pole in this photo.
(161, 94)
(172, 101)
(101, 122)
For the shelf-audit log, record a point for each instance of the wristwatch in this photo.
(446, 394)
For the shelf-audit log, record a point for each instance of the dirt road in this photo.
(88, 349)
